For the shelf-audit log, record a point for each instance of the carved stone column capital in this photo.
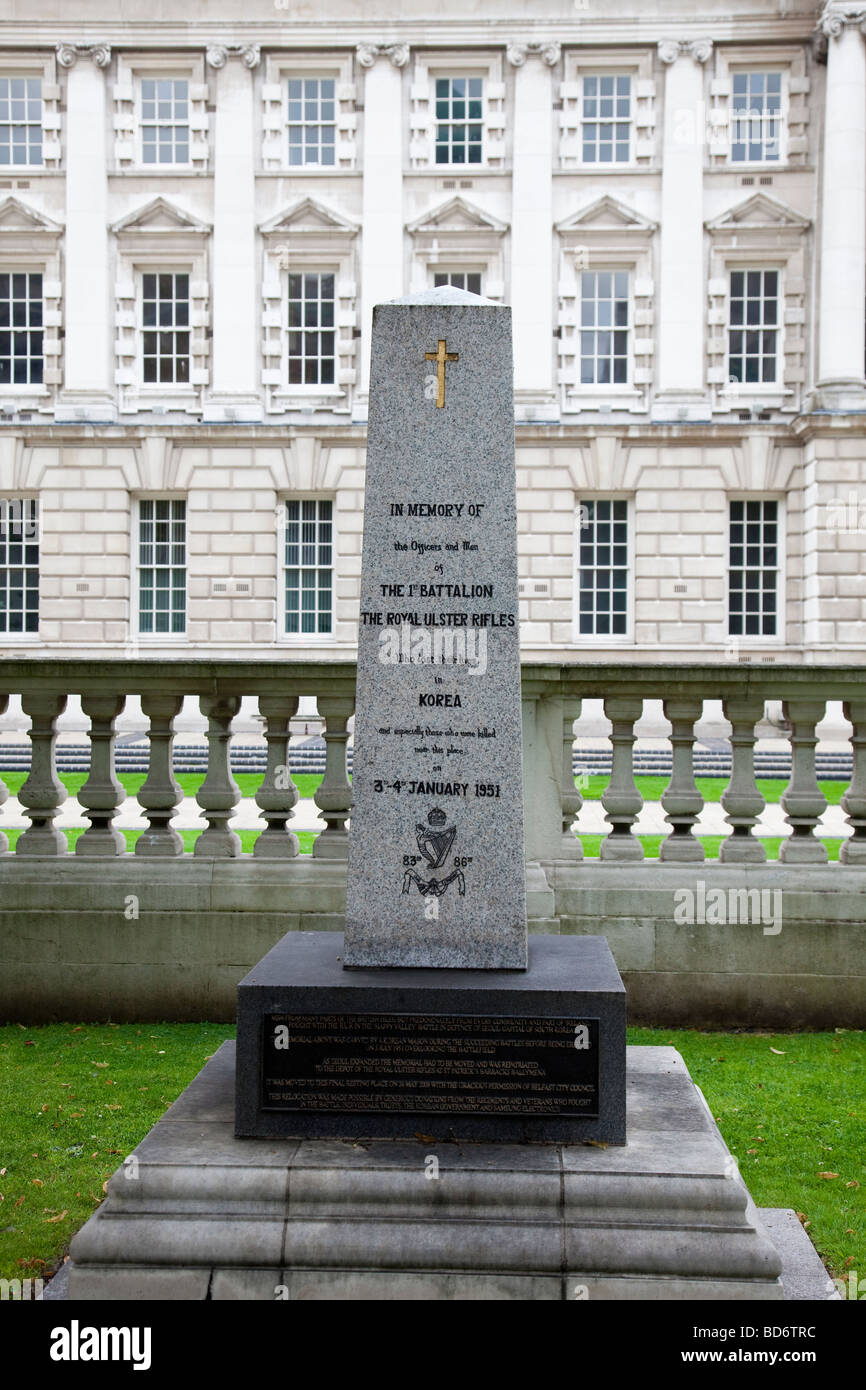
(219, 54)
(398, 53)
(833, 23)
(67, 53)
(698, 50)
(834, 20)
(549, 52)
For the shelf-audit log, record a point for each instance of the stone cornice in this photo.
(549, 52)
(698, 50)
(68, 53)
(369, 52)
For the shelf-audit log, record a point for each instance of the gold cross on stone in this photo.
(440, 357)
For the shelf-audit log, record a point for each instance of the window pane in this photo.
(19, 565)
(753, 573)
(308, 575)
(603, 574)
(162, 565)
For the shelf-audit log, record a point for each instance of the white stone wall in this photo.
(678, 442)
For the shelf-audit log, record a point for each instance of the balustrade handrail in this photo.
(588, 678)
(553, 693)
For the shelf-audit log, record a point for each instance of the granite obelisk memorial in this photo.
(434, 1017)
(432, 1005)
(436, 875)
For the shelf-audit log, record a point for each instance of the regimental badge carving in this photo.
(434, 840)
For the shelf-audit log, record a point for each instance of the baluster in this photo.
(219, 793)
(334, 797)
(802, 800)
(278, 794)
(160, 794)
(681, 799)
(853, 850)
(741, 800)
(572, 800)
(101, 794)
(43, 793)
(621, 799)
(4, 790)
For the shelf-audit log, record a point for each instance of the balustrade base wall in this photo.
(128, 939)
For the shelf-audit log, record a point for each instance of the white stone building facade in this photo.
(198, 211)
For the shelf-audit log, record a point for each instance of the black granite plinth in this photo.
(325, 1052)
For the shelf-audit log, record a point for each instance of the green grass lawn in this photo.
(650, 788)
(76, 1099)
(249, 782)
(710, 788)
(795, 1119)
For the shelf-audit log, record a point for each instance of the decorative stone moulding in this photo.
(369, 52)
(219, 54)
(517, 53)
(67, 53)
(697, 49)
(832, 24)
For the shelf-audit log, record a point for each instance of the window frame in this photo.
(136, 633)
(465, 271)
(33, 245)
(598, 73)
(640, 66)
(749, 387)
(748, 69)
(759, 639)
(149, 389)
(792, 61)
(759, 233)
(29, 388)
(301, 639)
(24, 638)
(426, 68)
(318, 388)
(606, 235)
(596, 387)
(304, 76)
(451, 122)
(595, 639)
(308, 237)
(141, 75)
(274, 148)
(19, 75)
(457, 236)
(131, 69)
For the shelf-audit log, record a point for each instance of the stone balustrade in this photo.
(552, 704)
(162, 686)
(69, 949)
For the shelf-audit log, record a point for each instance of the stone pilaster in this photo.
(88, 391)
(682, 393)
(234, 392)
(531, 220)
(842, 260)
(382, 218)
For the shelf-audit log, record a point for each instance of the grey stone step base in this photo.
(196, 1213)
(803, 1276)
